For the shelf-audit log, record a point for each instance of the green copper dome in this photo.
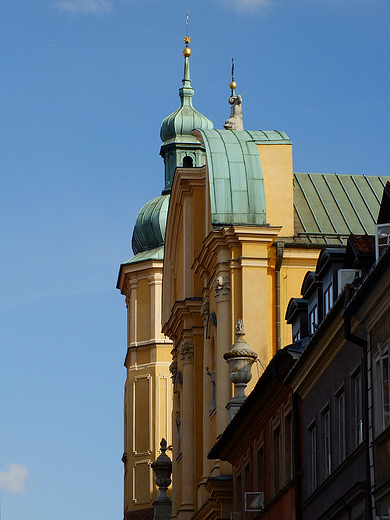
(179, 146)
(178, 126)
(149, 229)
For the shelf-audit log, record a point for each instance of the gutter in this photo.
(278, 265)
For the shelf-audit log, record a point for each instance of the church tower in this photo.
(148, 388)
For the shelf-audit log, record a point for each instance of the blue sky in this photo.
(84, 86)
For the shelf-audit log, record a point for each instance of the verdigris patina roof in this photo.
(149, 229)
(235, 174)
(328, 207)
(152, 254)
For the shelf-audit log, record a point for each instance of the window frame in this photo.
(340, 413)
(326, 437)
(312, 455)
(357, 405)
(313, 319)
(328, 298)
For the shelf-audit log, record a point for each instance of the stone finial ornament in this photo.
(235, 121)
(240, 358)
(162, 468)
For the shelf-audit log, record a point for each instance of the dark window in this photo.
(340, 414)
(312, 438)
(313, 319)
(326, 442)
(358, 406)
(288, 444)
(277, 452)
(328, 298)
(188, 162)
(260, 469)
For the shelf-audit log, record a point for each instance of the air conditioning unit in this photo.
(382, 238)
(254, 501)
(345, 276)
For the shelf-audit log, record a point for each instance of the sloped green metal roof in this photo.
(328, 207)
(236, 181)
(149, 229)
(151, 254)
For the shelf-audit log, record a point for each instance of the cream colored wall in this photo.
(276, 161)
(195, 258)
(148, 386)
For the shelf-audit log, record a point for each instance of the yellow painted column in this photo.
(208, 402)
(155, 283)
(133, 312)
(187, 431)
(223, 344)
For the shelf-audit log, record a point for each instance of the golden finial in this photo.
(187, 40)
(233, 84)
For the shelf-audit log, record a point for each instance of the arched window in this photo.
(188, 162)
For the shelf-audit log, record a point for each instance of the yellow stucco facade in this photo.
(212, 277)
(182, 306)
(148, 387)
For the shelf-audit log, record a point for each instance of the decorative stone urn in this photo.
(162, 468)
(240, 358)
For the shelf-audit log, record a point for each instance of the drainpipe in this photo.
(278, 265)
(363, 344)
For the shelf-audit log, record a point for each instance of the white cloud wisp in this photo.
(83, 6)
(13, 478)
(248, 5)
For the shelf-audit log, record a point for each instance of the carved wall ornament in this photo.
(187, 352)
(173, 369)
(212, 393)
(205, 311)
(222, 288)
(178, 426)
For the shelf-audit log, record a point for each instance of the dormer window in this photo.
(382, 238)
(328, 298)
(297, 336)
(313, 319)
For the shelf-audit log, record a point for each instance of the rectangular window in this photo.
(288, 447)
(358, 406)
(313, 319)
(260, 469)
(385, 396)
(297, 336)
(382, 389)
(277, 452)
(326, 441)
(240, 494)
(328, 298)
(340, 410)
(312, 434)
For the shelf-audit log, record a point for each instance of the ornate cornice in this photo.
(137, 271)
(229, 237)
(184, 310)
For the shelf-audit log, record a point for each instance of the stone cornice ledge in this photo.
(230, 237)
(182, 313)
(137, 268)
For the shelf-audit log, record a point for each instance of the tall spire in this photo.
(186, 93)
(179, 147)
